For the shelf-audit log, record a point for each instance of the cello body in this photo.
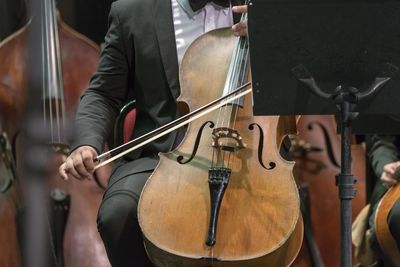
(386, 241)
(259, 223)
(316, 172)
(82, 245)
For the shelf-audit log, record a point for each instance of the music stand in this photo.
(347, 48)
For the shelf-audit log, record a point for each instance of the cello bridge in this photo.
(227, 139)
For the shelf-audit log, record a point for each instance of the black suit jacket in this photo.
(138, 61)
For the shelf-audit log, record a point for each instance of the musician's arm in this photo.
(384, 157)
(100, 104)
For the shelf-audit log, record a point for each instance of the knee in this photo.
(116, 212)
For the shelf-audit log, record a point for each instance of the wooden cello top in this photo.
(260, 209)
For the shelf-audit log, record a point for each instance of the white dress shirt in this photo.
(189, 25)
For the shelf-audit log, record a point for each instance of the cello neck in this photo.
(238, 72)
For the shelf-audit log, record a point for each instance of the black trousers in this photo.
(117, 218)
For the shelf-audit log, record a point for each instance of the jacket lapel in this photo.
(167, 44)
(166, 41)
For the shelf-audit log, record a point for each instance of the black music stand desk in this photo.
(328, 57)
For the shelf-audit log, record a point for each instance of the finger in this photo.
(396, 174)
(70, 169)
(88, 160)
(388, 180)
(396, 165)
(240, 29)
(239, 9)
(239, 26)
(243, 32)
(63, 172)
(80, 166)
(389, 168)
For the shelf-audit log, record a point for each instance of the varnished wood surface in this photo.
(385, 238)
(260, 209)
(82, 244)
(12, 103)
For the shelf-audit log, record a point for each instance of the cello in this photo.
(386, 241)
(71, 59)
(229, 200)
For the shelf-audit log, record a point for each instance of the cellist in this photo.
(384, 157)
(143, 47)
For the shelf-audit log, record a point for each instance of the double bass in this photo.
(12, 88)
(224, 196)
(70, 60)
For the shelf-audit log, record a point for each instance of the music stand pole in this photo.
(346, 100)
(345, 180)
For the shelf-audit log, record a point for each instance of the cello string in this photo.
(222, 111)
(234, 82)
(227, 109)
(235, 105)
(242, 73)
(239, 66)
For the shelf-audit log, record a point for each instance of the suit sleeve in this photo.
(107, 92)
(383, 150)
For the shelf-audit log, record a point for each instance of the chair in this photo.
(125, 124)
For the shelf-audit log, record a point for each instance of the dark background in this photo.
(340, 42)
(88, 17)
(345, 43)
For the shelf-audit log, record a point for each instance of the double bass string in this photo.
(53, 102)
(53, 106)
